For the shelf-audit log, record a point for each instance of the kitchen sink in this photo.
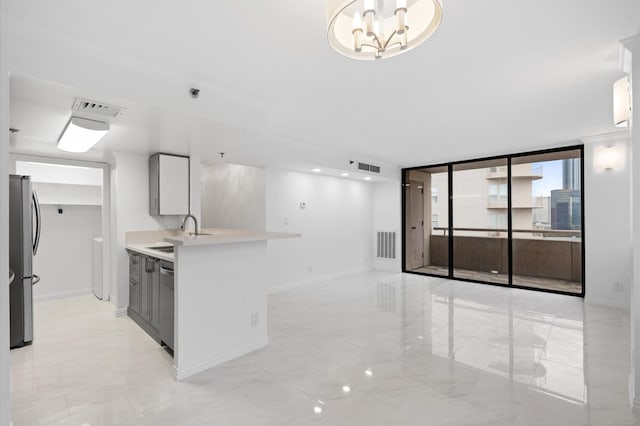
(164, 249)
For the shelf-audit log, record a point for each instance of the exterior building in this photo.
(480, 199)
(565, 203)
(571, 173)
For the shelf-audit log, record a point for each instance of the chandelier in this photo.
(375, 29)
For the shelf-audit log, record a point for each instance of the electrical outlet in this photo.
(618, 286)
(254, 319)
(285, 220)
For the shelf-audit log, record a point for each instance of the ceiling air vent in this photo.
(96, 109)
(368, 167)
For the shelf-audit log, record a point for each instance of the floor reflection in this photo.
(525, 338)
(367, 349)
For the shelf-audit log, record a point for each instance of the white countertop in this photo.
(209, 236)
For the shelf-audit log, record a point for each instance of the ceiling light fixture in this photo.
(344, 174)
(317, 170)
(621, 102)
(367, 178)
(80, 134)
(374, 29)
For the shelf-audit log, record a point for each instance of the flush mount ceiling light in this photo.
(621, 102)
(375, 29)
(80, 134)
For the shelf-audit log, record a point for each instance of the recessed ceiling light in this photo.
(346, 389)
(317, 170)
(367, 178)
(368, 372)
(344, 174)
(317, 409)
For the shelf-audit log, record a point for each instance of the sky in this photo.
(551, 178)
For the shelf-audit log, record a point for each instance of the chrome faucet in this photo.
(195, 223)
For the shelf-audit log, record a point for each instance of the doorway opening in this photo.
(73, 255)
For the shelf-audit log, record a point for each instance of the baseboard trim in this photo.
(62, 294)
(188, 372)
(315, 280)
(118, 312)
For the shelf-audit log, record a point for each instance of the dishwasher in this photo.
(166, 304)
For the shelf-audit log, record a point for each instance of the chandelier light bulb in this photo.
(357, 22)
(375, 29)
(401, 14)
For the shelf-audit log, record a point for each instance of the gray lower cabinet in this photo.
(134, 282)
(144, 292)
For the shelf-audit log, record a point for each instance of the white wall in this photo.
(130, 212)
(233, 196)
(4, 227)
(57, 173)
(64, 258)
(56, 193)
(608, 238)
(386, 217)
(336, 226)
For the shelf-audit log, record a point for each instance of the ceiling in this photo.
(497, 77)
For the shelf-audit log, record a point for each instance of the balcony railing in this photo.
(494, 202)
(501, 173)
(541, 232)
(545, 253)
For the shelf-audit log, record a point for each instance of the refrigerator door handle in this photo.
(36, 208)
(35, 279)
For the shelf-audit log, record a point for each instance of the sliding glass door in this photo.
(547, 221)
(514, 220)
(480, 202)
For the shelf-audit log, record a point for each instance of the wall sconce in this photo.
(621, 102)
(608, 158)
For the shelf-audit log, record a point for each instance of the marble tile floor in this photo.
(520, 280)
(368, 349)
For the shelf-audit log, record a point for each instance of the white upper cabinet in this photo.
(168, 185)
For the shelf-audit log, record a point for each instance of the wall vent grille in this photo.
(368, 167)
(85, 107)
(386, 245)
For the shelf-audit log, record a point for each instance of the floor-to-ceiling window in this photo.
(547, 220)
(479, 202)
(513, 220)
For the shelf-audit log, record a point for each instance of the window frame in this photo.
(509, 158)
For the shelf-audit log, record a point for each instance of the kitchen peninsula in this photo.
(220, 305)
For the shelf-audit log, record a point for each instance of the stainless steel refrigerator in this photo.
(24, 237)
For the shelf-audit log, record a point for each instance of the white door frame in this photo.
(106, 205)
